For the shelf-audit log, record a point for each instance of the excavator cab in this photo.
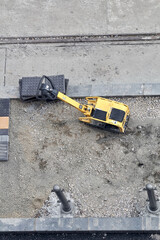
(107, 114)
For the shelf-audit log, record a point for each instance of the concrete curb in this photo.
(105, 90)
(137, 224)
(115, 90)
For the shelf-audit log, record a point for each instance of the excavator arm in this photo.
(49, 93)
(85, 109)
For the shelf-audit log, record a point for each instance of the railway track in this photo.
(151, 38)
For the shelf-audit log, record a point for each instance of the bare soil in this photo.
(104, 172)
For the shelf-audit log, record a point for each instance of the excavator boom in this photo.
(72, 102)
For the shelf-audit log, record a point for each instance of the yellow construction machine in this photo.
(99, 112)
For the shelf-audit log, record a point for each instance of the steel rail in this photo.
(151, 37)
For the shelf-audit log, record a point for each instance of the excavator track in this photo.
(104, 126)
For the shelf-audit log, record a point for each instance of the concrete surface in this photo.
(84, 64)
(108, 90)
(66, 224)
(133, 16)
(2, 66)
(60, 17)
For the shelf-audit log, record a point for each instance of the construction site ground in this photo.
(104, 172)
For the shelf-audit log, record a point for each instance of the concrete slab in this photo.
(85, 63)
(114, 89)
(16, 224)
(59, 17)
(120, 224)
(2, 66)
(88, 66)
(62, 224)
(33, 17)
(9, 92)
(79, 91)
(133, 16)
(137, 224)
(153, 89)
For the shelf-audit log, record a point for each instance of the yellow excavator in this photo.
(99, 112)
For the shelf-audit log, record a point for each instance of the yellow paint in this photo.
(4, 122)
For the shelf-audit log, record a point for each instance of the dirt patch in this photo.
(104, 172)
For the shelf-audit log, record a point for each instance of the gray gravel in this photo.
(103, 172)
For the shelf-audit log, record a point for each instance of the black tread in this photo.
(3, 151)
(29, 85)
(104, 126)
(3, 131)
(4, 107)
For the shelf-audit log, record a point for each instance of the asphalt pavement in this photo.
(79, 236)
